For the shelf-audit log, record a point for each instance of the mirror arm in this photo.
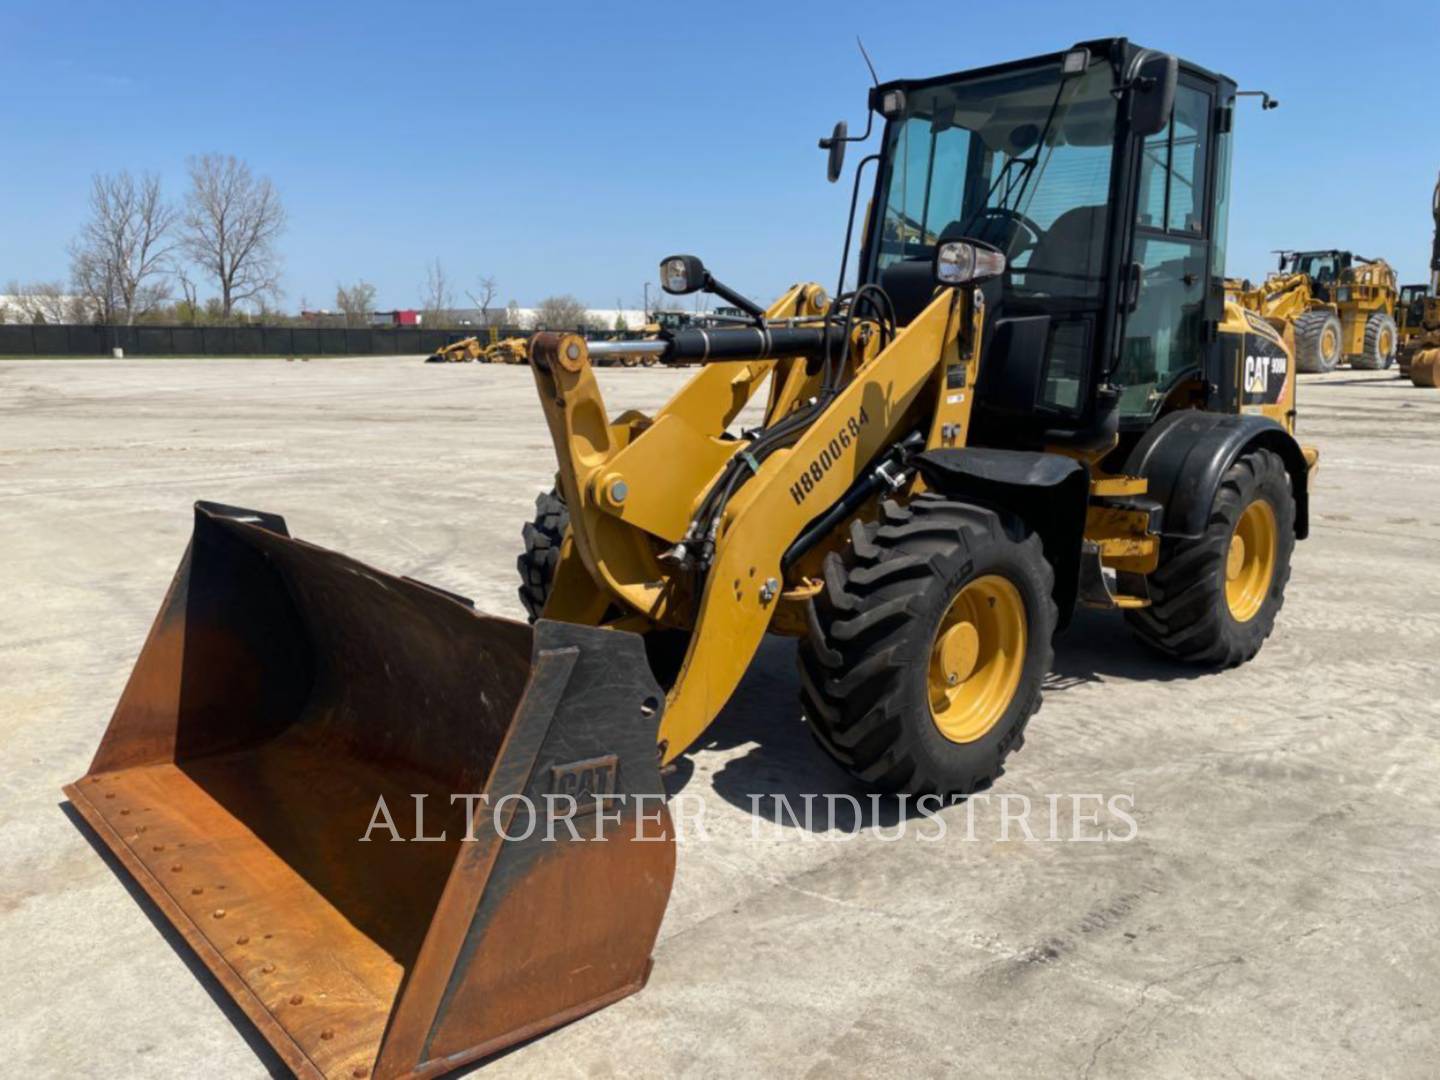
(745, 304)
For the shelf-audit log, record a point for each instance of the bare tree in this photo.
(438, 297)
(188, 309)
(561, 313)
(484, 297)
(356, 302)
(121, 259)
(232, 220)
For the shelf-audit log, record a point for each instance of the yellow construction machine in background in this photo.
(1420, 343)
(463, 351)
(1337, 306)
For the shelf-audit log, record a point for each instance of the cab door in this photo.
(1167, 332)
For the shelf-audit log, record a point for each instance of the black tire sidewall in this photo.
(1272, 485)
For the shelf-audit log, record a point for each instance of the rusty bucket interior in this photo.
(284, 691)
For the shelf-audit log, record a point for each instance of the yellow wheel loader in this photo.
(1033, 397)
(1339, 307)
(511, 350)
(1420, 326)
(463, 351)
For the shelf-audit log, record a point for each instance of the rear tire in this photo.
(537, 562)
(1318, 341)
(878, 629)
(1198, 612)
(1381, 336)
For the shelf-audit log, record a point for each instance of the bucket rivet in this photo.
(243, 939)
(219, 913)
(268, 969)
(327, 1034)
(175, 867)
(296, 999)
(268, 937)
(109, 794)
(197, 890)
(360, 1071)
(124, 811)
(157, 847)
(141, 828)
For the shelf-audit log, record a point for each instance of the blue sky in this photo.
(566, 147)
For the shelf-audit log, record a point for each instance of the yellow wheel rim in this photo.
(1387, 343)
(977, 658)
(1250, 565)
(1329, 342)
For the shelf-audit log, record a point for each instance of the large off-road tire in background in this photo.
(664, 648)
(542, 551)
(1318, 341)
(1381, 338)
(927, 646)
(1214, 599)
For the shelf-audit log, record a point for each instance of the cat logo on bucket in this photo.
(584, 780)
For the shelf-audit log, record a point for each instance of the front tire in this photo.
(928, 645)
(1214, 599)
(543, 537)
(1318, 341)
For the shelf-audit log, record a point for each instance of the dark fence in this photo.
(27, 340)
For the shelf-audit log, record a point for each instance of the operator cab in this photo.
(1412, 303)
(1102, 174)
(1323, 268)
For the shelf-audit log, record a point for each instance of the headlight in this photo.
(959, 262)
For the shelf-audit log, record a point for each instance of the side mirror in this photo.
(1152, 92)
(681, 275)
(836, 145)
(967, 262)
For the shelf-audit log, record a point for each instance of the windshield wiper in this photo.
(1027, 165)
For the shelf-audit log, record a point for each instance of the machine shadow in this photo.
(268, 1059)
(779, 764)
(1098, 645)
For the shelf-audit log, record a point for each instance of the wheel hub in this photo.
(1235, 562)
(977, 658)
(959, 650)
(1250, 562)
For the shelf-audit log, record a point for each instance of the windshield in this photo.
(1321, 267)
(1020, 159)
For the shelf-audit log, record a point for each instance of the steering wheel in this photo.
(1028, 240)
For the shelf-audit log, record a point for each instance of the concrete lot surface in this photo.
(1277, 912)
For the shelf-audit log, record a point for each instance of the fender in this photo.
(1186, 454)
(1049, 492)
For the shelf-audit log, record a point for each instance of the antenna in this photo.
(868, 64)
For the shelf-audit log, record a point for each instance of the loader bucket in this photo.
(283, 692)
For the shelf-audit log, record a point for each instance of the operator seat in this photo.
(1069, 260)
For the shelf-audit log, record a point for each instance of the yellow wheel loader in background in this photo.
(1420, 338)
(464, 351)
(510, 350)
(1035, 397)
(1338, 305)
